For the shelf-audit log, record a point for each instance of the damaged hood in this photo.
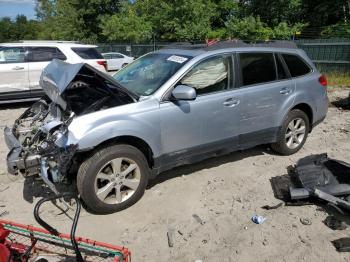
(57, 76)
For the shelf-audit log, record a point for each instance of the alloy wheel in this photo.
(295, 133)
(117, 180)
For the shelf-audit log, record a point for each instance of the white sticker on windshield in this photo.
(148, 91)
(177, 59)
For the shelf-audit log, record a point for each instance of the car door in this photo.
(266, 93)
(193, 128)
(38, 58)
(118, 61)
(13, 72)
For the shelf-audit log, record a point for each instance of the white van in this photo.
(21, 65)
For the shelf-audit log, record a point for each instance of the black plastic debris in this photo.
(318, 172)
(318, 179)
(313, 178)
(342, 244)
(334, 223)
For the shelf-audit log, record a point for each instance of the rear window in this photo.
(42, 54)
(87, 52)
(115, 56)
(296, 66)
(257, 68)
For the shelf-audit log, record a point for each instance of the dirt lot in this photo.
(224, 192)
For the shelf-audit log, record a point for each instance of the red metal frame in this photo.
(4, 233)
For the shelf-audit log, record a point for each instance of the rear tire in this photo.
(124, 65)
(293, 133)
(113, 178)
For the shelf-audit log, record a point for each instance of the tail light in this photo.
(323, 81)
(102, 63)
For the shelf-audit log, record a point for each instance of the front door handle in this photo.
(18, 68)
(231, 102)
(285, 91)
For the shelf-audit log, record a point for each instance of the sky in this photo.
(12, 8)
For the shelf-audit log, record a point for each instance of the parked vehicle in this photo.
(22, 63)
(115, 61)
(168, 108)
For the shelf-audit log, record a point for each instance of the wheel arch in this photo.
(307, 110)
(134, 141)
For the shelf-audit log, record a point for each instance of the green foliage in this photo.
(74, 19)
(284, 31)
(21, 28)
(117, 27)
(248, 28)
(179, 20)
(273, 12)
(94, 21)
(325, 12)
(340, 30)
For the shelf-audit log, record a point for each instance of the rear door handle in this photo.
(285, 91)
(18, 68)
(231, 102)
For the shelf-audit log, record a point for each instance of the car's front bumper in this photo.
(17, 162)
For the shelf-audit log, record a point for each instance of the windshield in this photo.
(150, 72)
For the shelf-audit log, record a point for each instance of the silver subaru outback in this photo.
(168, 108)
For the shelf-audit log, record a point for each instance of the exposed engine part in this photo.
(44, 174)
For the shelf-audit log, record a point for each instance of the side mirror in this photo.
(183, 92)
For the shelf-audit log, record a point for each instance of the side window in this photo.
(209, 76)
(12, 55)
(60, 55)
(116, 56)
(44, 54)
(281, 73)
(107, 56)
(257, 68)
(296, 66)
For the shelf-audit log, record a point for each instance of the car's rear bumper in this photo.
(16, 162)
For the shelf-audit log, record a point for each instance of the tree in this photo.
(248, 28)
(117, 27)
(178, 20)
(273, 12)
(284, 31)
(75, 19)
(6, 29)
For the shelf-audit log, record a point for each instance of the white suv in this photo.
(21, 65)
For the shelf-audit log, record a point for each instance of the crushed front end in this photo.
(39, 139)
(38, 143)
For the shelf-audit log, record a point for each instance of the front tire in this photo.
(293, 133)
(113, 178)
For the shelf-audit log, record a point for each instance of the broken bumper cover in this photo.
(15, 162)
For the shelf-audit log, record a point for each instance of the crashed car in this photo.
(168, 108)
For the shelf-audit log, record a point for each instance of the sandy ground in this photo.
(225, 192)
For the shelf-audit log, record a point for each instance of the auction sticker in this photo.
(177, 59)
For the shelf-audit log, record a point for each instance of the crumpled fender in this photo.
(87, 138)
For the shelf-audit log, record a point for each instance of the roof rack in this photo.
(185, 45)
(244, 43)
